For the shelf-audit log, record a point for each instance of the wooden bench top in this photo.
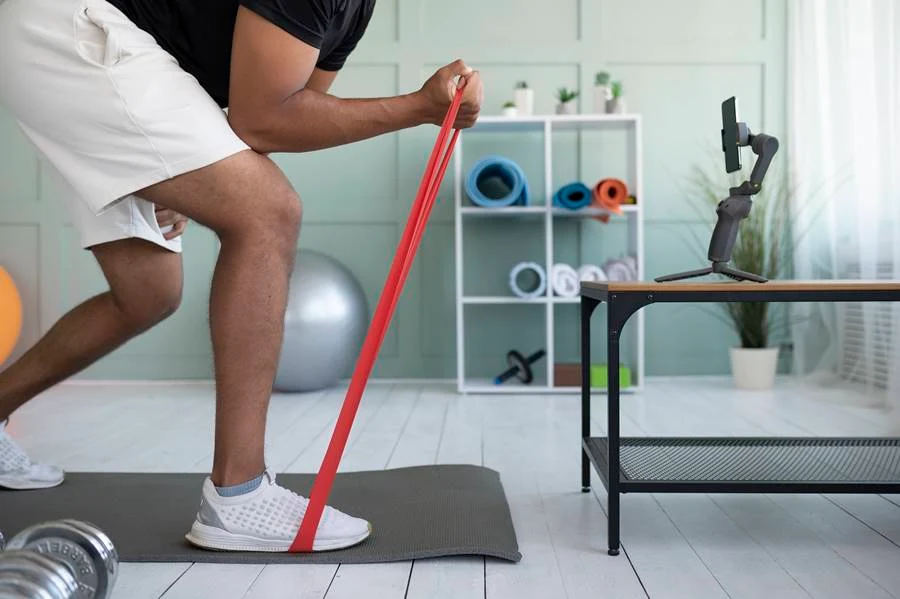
(687, 291)
(716, 286)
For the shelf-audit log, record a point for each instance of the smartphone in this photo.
(731, 137)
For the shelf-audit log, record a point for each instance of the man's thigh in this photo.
(237, 193)
(140, 273)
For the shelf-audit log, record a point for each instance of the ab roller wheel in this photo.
(519, 367)
(65, 559)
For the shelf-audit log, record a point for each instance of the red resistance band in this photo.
(393, 287)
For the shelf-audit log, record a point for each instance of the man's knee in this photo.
(157, 301)
(272, 221)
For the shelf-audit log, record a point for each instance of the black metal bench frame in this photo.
(716, 464)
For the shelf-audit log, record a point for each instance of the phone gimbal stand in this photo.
(737, 206)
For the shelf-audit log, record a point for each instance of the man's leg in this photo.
(145, 287)
(250, 205)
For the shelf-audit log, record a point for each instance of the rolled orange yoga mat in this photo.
(393, 287)
(609, 194)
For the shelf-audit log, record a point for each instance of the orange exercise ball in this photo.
(10, 315)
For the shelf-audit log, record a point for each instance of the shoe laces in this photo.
(291, 498)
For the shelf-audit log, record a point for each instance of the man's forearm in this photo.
(310, 120)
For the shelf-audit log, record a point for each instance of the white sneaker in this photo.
(18, 472)
(268, 519)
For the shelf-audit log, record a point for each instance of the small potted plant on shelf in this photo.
(566, 101)
(602, 92)
(510, 109)
(524, 99)
(616, 103)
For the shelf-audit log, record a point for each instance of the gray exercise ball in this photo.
(325, 324)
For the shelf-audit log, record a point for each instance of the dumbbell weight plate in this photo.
(82, 547)
(105, 549)
(35, 576)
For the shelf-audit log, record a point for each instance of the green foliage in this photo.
(509, 104)
(617, 89)
(522, 85)
(602, 78)
(566, 95)
(764, 245)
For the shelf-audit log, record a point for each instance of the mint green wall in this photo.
(677, 60)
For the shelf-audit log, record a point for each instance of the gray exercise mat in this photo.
(419, 512)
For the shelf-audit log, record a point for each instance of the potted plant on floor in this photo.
(763, 247)
(616, 103)
(602, 92)
(524, 98)
(566, 101)
(510, 109)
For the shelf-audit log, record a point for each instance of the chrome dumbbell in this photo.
(84, 551)
(35, 576)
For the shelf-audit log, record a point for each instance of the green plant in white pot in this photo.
(510, 109)
(602, 92)
(764, 247)
(523, 96)
(566, 101)
(616, 103)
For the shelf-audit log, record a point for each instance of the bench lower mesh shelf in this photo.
(743, 463)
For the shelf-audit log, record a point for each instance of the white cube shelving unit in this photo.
(549, 125)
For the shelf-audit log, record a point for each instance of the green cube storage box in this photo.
(600, 376)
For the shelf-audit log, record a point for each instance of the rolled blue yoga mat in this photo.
(496, 182)
(573, 196)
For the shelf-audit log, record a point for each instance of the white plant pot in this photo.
(754, 369)
(511, 112)
(616, 106)
(567, 107)
(602, 95)
(524, 99)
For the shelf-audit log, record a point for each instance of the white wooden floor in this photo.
(690, 546)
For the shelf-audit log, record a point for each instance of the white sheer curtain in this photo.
(844, 150)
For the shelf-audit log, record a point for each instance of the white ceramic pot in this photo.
(753, 368)
(570, 107)
(524, 99)
(511, 111)
(602, 95)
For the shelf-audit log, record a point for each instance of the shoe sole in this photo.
(17, 484)
(208, 537)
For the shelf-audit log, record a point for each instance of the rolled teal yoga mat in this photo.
(497, 182)
(573, 196)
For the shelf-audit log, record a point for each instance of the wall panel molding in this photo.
(677, 61)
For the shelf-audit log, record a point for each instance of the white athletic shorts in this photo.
(109, 111)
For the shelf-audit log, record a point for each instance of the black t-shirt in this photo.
(198, 33)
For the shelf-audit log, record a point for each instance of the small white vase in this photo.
(570, 107)
(524, 99)
(510, 111)
(602, 95)
(616, 106)
(753, 368)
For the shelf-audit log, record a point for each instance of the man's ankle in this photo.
(225, 477)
